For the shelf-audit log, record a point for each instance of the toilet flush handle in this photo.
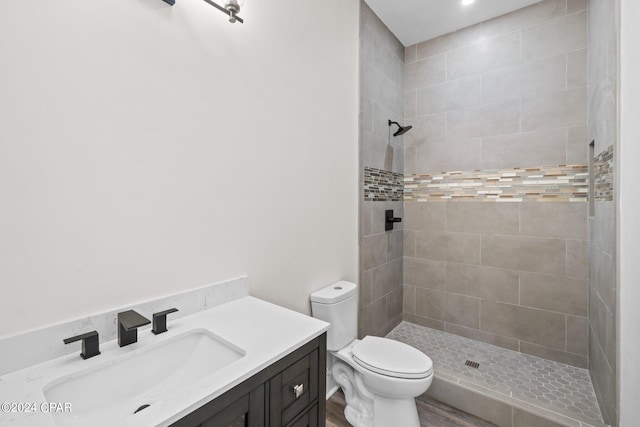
(298, 390)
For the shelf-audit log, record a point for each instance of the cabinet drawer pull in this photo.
(298, 390)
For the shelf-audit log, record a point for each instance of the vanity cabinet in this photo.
(289, 393)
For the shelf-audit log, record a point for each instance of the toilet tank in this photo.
(338, 305)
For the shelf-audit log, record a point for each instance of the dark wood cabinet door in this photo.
(245, 411)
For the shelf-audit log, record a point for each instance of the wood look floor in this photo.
(432, 414)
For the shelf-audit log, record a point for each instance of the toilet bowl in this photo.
(380, 377)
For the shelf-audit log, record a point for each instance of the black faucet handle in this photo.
(90, 343)
(160, 320)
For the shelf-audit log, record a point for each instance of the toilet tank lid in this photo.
(337, 292)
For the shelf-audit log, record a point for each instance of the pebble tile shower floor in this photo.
(561, 388)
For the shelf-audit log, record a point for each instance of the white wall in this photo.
(148, 149)
(629, 228)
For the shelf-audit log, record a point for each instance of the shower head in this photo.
(401, 129)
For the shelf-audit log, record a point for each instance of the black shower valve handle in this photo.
(390, 220)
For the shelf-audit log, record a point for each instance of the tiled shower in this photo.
(503, 238)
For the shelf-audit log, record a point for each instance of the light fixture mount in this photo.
(231, 8)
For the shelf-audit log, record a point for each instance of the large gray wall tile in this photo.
(501, 85)
(544, 75)
(440, 156)
(602, 277)
(555, 293)
(565, 108)
(394, 245)
(409, 299)
(578, 335)
(541, 148)
(410, 104)
(394, 303)
(364, 292)
(462, 310)
(488, 120)
(604, 235)
(602, 323)
(424, 273)
(562, 220)
(425, 72)
(365, 218)
(447, 246)
(374, 251)
(409, 243)
(603, 377)
(427, 128)
(484, 56)
(525, 17)
(577, 68)
(555, 37)
(431, 99)
(526, 324)
(483, 282)
(374, 317)
(576, 5)
(410, 160)
(577, 145)
(374, 150)
(478, 217)
(430, 303)
(524, 253)
(386, 278)
(464, 93)
(424, 216)
(577, 259)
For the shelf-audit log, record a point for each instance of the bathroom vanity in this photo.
(284, 394)
(245, 362)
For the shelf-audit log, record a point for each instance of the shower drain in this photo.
(472, 364)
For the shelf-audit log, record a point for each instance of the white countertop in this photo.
(266, 332)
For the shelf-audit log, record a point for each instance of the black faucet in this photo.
(128, 323)
(160, 321)
(90, 344)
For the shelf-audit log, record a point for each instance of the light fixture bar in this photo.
(230, 12)
(231, 9)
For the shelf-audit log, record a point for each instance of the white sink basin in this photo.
(114, 390)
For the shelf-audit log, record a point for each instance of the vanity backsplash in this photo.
(29, 348)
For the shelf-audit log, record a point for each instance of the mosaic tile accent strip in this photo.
(560, 388)
(564, 183)
(382, 186)
(603, 176)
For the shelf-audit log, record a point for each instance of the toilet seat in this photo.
(392, 358)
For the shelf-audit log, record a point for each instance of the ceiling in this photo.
(414, 21)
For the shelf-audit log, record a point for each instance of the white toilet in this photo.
(380, 377)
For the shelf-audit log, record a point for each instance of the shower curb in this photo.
(500, 409)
